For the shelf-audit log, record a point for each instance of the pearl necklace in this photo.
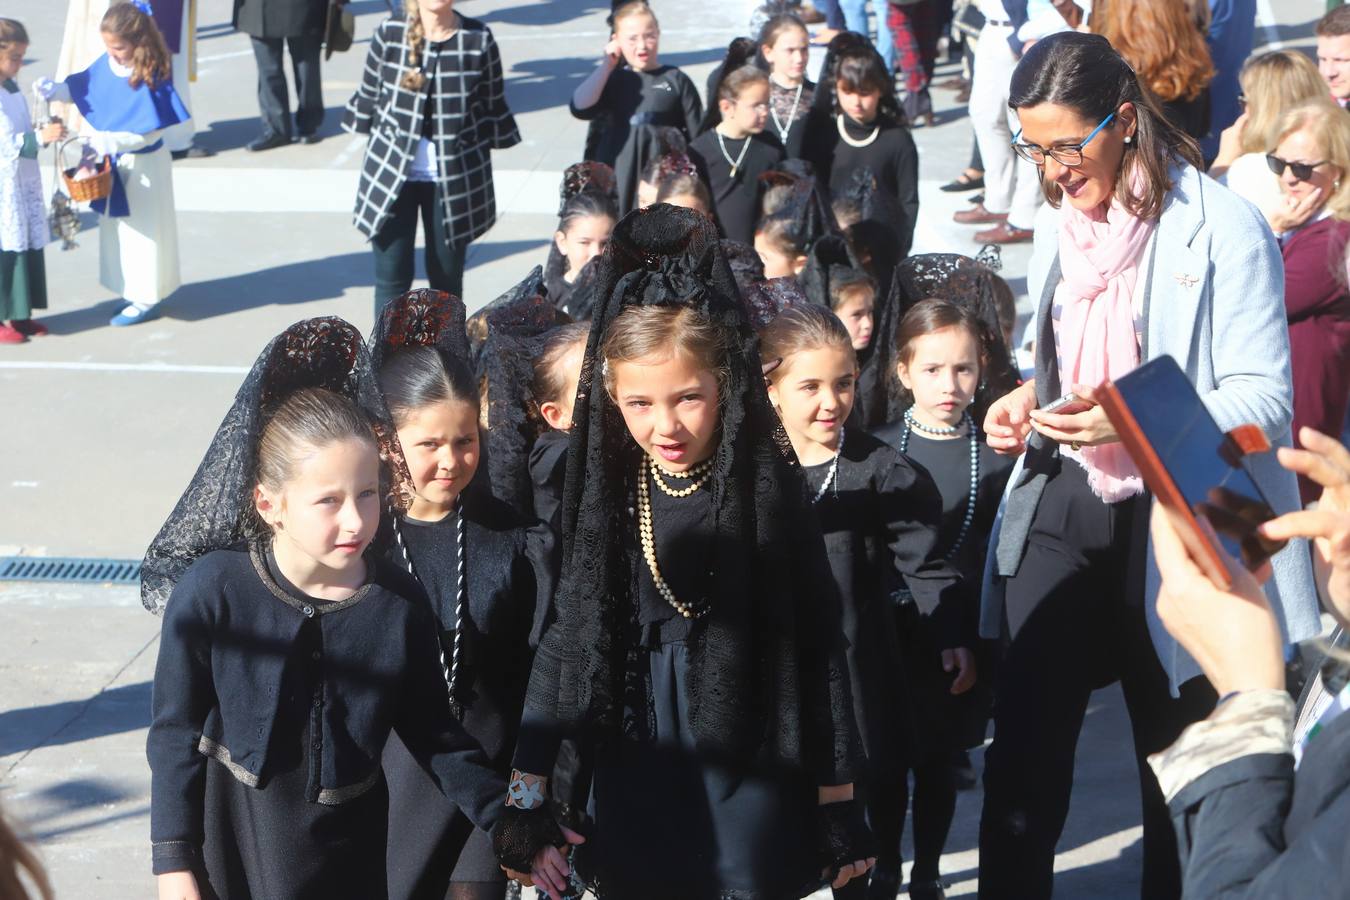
(698, 473)
(449, 668)
(854, 142)
(792, 117)
(740, 158)
(648, 537)
(834, 470)
(913, 424)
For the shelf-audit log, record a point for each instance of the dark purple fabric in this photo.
(1318, 305)
(168, 15)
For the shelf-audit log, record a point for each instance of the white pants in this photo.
(1011, 184)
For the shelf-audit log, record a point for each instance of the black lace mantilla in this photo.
(766, 672)
(215, 511)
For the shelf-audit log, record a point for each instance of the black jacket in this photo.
(280, 18)
(229, 638)
(1254, 829)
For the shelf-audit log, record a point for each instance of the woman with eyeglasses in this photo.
(1311, 158)
(1153, 259)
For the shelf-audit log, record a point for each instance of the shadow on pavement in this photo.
(113, 711)
(234, 134)
(554, 13)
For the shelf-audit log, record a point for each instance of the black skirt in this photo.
(670, 822)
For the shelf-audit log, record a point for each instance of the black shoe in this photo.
(963, 182)
(268, 142)
(195, 151)
(310, 138)
(927, 890)
(978, 198)
(884, 884)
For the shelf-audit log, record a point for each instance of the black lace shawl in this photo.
(216, 509)
(766, 299)
(875, 236)
(947, 276)
(516, 335)
(830, 260)
(583, 177)
(766, 678)
(746, 266)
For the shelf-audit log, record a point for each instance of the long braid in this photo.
(461, 603)
(414, 79)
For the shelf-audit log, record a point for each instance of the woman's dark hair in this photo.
(417, 377)
(584, 206)
(1084, 73)
(861, 69)
(685, 186)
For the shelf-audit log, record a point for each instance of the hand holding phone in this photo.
(1069, 405)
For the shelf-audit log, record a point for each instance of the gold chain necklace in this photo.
(648, 536)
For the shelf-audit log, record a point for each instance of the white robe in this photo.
(23, 218)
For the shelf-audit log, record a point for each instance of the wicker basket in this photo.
(89, 189)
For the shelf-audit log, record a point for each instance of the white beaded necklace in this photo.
(648, 535)
(854, 142)
(449, 668)
(912, 423)
(740, 158)
(831, 475)
(792, 116)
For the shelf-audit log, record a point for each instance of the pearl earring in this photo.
(1129, 138)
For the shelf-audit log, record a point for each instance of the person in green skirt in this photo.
(23, 220)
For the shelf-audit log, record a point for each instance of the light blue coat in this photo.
(1214, 301)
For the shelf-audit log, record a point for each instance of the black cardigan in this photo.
(230, 635)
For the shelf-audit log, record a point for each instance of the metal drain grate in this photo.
(72, 569)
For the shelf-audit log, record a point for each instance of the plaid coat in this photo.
(471, 117)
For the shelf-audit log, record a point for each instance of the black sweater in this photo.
(892, 157)
(735, 197)
(232, 635)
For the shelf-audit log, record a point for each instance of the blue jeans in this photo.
(855, 19)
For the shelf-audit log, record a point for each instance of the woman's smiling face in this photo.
(1092, 183)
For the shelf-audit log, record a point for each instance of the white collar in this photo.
(118, 69)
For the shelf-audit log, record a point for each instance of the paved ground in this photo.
(103, 427)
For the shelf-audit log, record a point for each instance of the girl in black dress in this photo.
(289, 651)
(694, 645)
(586, 218)
(553, 391)
(734, 152)
(485, 571)
(687, 191)
(868, 130)
(630, 96)
(785, 45)
(880, 515)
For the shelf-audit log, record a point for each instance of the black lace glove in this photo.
(520, 834)
(843, 835)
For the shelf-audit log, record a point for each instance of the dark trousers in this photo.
(395, 246)
(1075, 622)
(273, 100)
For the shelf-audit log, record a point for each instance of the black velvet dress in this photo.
(509, 570)
(624, 121)
(735, 197)
(948, 464)
(891, 156)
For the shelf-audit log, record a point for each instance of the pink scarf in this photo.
(1100, 257)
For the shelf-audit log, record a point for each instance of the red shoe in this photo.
(11, 335)
(30, 327)
(978, 215)
(1003, 233)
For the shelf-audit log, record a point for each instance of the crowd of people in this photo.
(696, 564)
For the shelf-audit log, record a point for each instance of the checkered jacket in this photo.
(465, 84)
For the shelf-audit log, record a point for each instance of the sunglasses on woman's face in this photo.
(1302, 171)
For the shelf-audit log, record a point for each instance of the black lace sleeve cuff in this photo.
(521, 833)
(843, 834)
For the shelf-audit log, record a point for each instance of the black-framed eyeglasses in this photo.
(1070, 155)
(1302, 171)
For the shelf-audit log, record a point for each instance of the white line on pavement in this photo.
(140, 368)
(1265, 17)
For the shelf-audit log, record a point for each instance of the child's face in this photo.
(943, 373)
(639, 40)
(813, 391)
(558, 413)
(856, 314)
(440, 443)
(330, 508)
(119, 51)
(584, 240)
(11, 60)
(670, 406)
(860, 106)
(776, 263)
(787, 56)
(748, 113)
(646, 194)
